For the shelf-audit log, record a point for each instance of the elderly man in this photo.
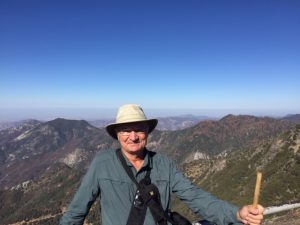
(117, 176)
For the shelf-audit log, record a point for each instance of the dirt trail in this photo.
(36, 219)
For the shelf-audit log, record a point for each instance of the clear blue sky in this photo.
(72, 58)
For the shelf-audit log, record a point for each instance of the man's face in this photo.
(133, 137)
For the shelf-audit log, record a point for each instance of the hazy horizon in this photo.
(44, 114)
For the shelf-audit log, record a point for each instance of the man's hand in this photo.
(250, 215)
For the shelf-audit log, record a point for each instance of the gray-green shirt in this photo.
(106, 177)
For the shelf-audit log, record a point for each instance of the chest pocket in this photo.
(114, 192)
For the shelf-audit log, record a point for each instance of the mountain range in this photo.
(165, 123)
(42, 163)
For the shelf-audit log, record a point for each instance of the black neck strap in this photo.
(138, 212)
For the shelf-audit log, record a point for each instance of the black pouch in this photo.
(179, 219)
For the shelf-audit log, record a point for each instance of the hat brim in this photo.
(111, 128)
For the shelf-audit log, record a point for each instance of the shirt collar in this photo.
(147, 160)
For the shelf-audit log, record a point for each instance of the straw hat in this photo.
(130, 113)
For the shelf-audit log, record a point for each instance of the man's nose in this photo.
(133, 135)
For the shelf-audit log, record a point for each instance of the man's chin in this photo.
(135, 149)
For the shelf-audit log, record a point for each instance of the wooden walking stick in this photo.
(257, 189)
(271, 209)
